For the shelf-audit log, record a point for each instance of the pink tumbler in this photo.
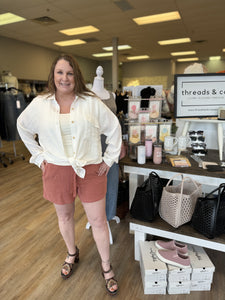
(157, 154)
(148, 148)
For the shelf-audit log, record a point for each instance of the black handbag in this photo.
(123, 195)
(145, 205)
(209, 213)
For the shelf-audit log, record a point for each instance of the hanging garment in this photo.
(146, 93)
(121, 102)
(11, 107)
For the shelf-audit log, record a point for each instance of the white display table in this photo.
(160, 228)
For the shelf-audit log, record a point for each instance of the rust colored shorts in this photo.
(61, 184)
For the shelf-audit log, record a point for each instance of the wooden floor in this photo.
(32, 250)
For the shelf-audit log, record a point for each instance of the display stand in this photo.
(158, 227)
(217, 122)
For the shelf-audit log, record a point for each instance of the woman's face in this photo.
(64, 77)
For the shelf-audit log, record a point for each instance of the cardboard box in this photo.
(178, 274)
(153, 270)
(202, 266)
(154, 291)
(201, 285)
(179, 287)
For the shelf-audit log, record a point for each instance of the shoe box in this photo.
(159, 277)
(153, 270)
(178, 274)
(202, 269)
(179, 287)
(201, 285)
(179, 280)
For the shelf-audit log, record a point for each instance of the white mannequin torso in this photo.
(10, 80)
(98, 88)
(98, 85)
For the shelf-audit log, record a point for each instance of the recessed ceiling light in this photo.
(214, 57)
(102, 54)
(137, 57)
(79, 30)
(120, 47)
(174, 41)
(224, 50)
(9, 18)
(183, 53)
(170, 16)
(188, 59)
(69, 43)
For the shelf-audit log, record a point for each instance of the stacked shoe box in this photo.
(202, 269)
(175, 255)
(179, 280)
(153, 271)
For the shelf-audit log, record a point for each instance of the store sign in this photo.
(199, 95)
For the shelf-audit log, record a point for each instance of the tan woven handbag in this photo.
(178, 201)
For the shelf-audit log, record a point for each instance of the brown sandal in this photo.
(110, 282)
(69, 266)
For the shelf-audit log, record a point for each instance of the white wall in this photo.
(212, 66)
(147, 72)
(26, 61)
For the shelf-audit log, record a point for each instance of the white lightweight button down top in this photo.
(89, 118)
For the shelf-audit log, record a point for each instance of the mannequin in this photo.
(113, 175)
(98, 84)
(10, 80)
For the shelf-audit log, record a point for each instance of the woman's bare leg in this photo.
(65, 214)
(96, 215)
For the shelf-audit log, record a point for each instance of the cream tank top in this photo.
(64, 120)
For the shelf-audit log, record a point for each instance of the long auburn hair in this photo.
(80, 88)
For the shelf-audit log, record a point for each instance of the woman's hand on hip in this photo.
(103, 169)
(43, 164)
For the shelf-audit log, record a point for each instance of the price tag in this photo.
(18, 104)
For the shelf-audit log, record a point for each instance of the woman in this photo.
(69, 121)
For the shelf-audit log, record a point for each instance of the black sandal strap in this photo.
(77, 251)
(105, 272)
(72, 254)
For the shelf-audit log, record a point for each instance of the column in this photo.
(115, 64)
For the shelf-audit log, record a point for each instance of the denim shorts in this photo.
(61, 184)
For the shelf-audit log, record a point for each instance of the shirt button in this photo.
(72, 108)
(72, 121)
(73, 137)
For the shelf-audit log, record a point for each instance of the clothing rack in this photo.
(9, 157)
(2, 160)
(12, 103)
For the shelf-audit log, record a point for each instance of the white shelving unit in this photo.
(218, 123)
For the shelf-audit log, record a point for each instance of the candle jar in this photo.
(157, 154)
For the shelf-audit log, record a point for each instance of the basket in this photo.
(178, 201)
(209, 214)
